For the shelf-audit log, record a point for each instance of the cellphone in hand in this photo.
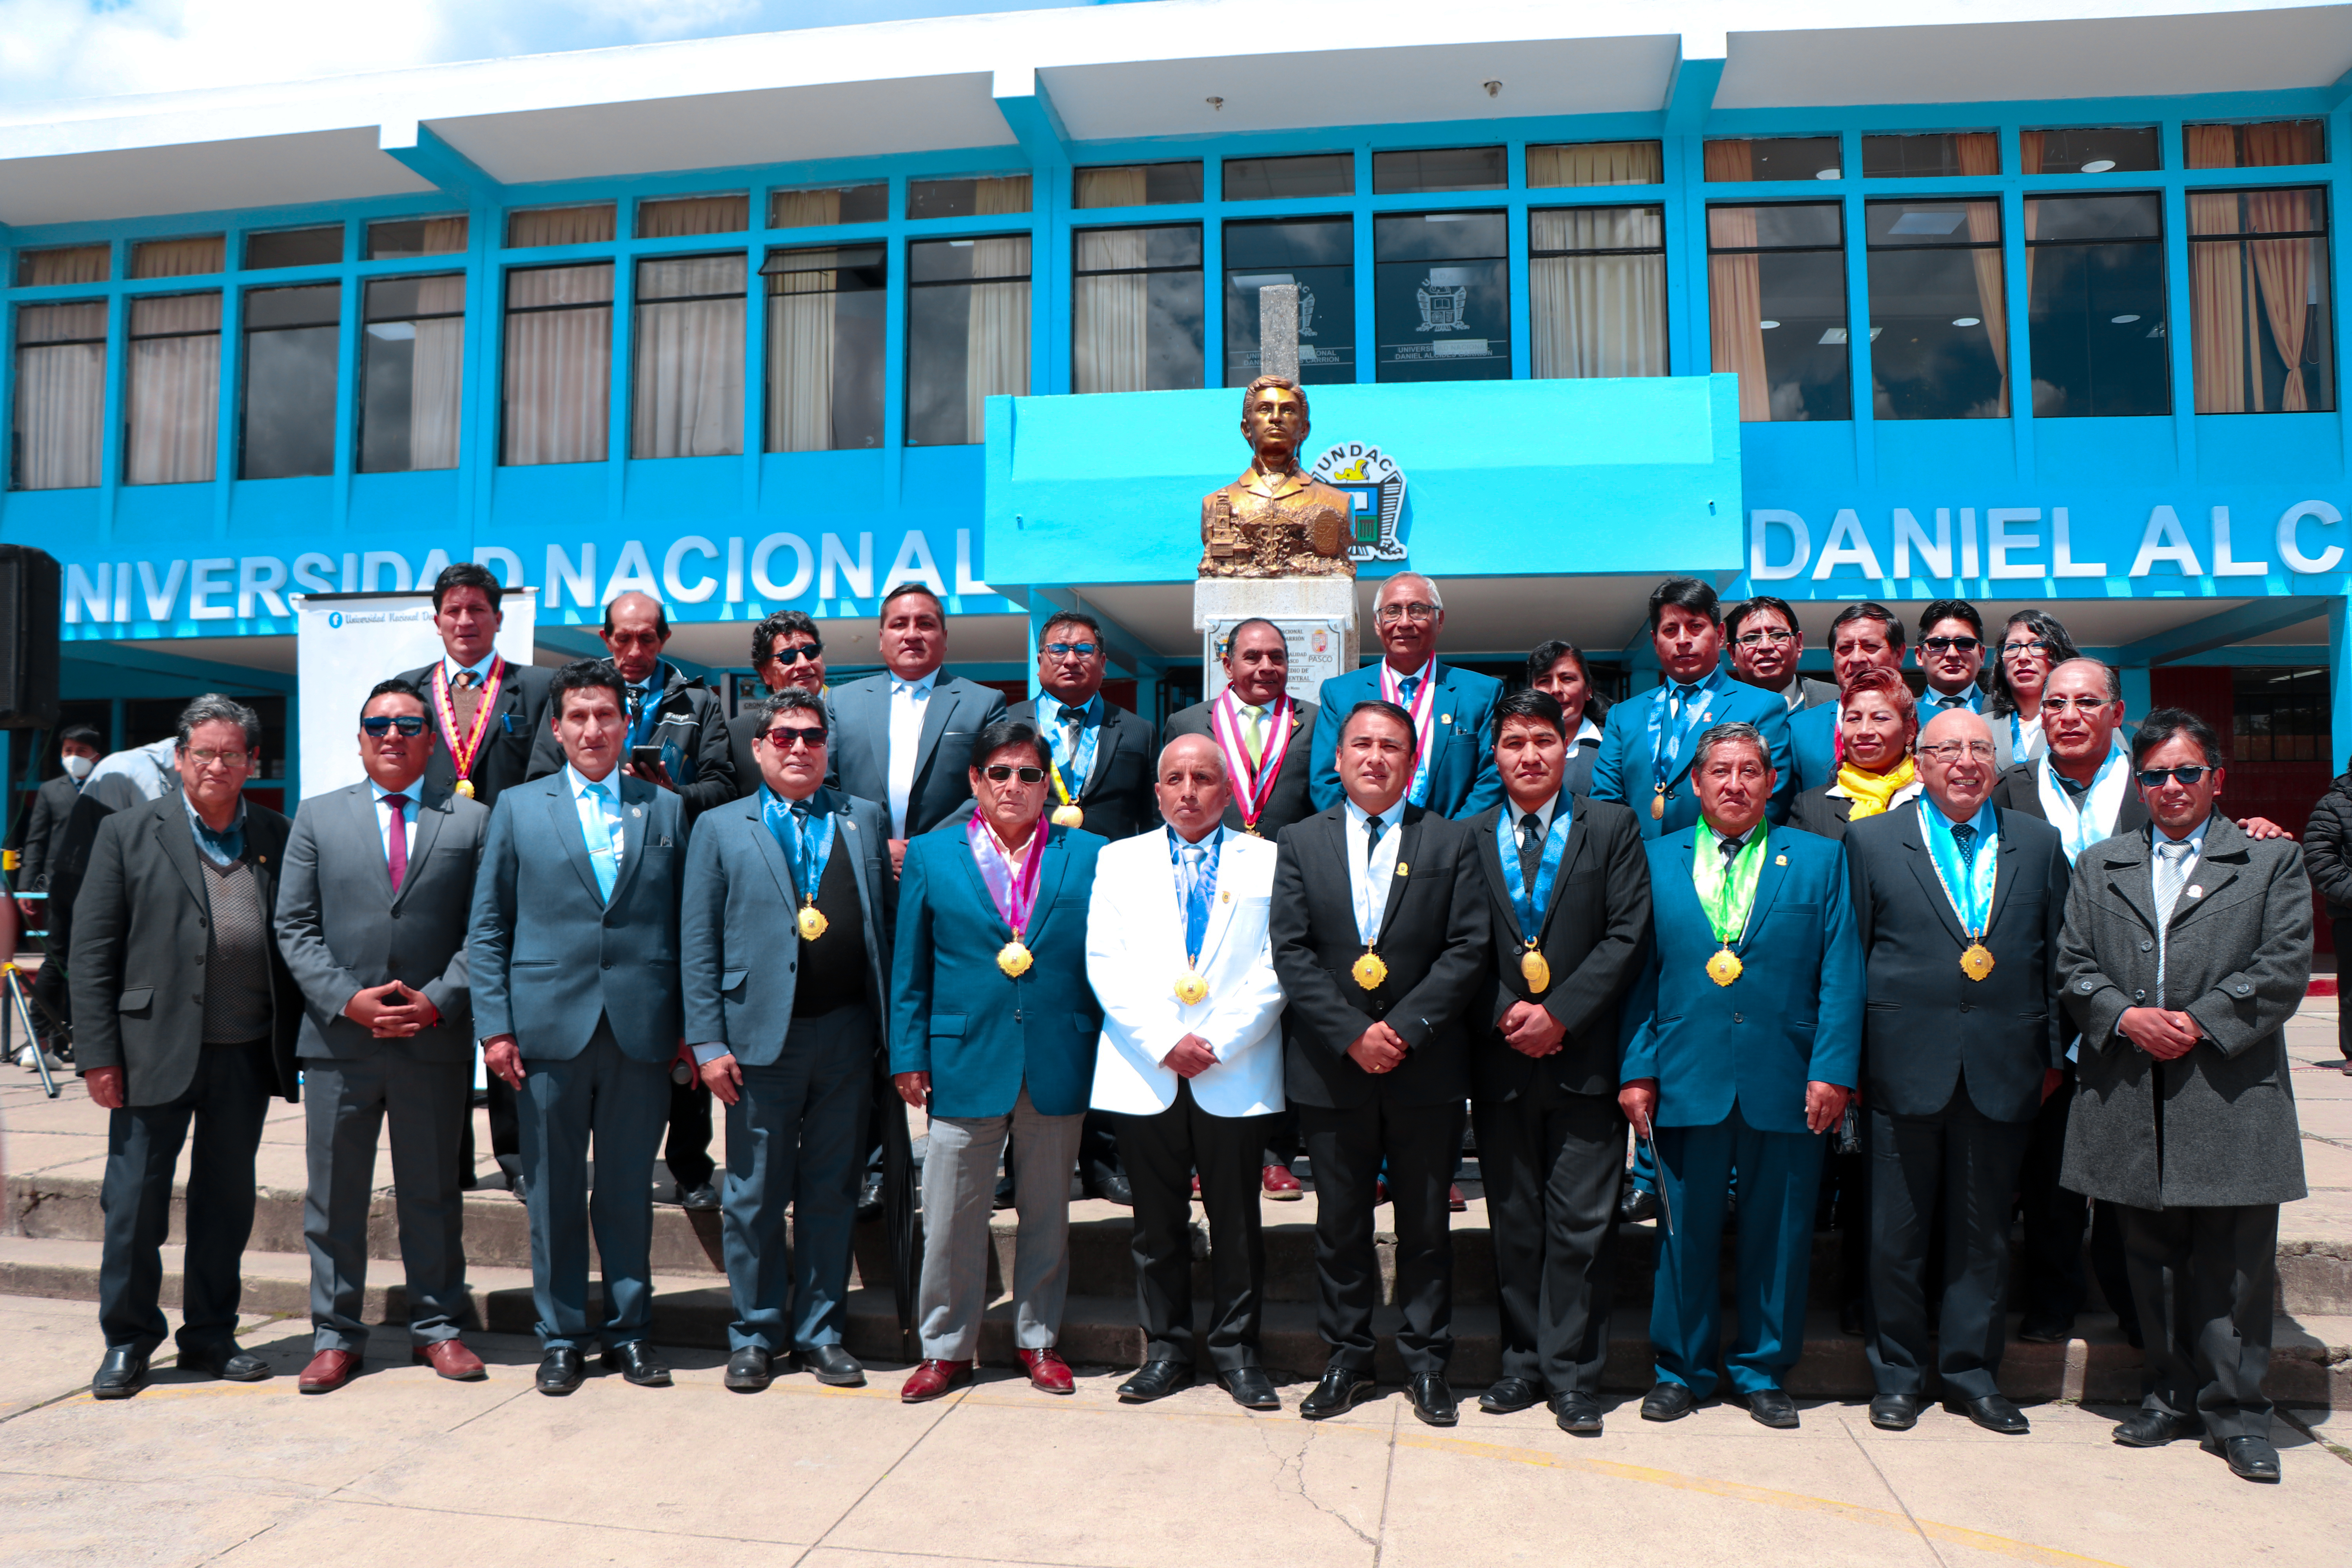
(649, 758)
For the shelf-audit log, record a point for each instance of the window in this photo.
(1597, 291)
(1439, 171)
(60, 395)
(1776, 307)
(689, 358)
(1319, 255)
(1137, 185)
(2278, 715)
(171, 402)
(2259, 305)
(825, 347)
(1775, 158)
(2259, 146)
(1285, 179)
(319, 246)
(71, 263)
(2090, 149)
(694, 215)
(989, 196)
(2095, 287)
(179, 257)
(592, 225)
(410, 357)
(290, 362)
(1596, 163)
(1940, 155)
(1939, 319)
(1442, 296)
(821, 207)
(559, 363)
(966, 332)
(1135, 310)
(397, 239)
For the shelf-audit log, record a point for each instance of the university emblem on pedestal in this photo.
(1375, 486)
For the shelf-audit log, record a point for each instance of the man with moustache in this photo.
(1452, 710)
(787, 650)
(1863, 637)
(1766, 642)
(1103, 754)
(1568, 908)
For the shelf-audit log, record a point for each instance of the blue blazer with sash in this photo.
(979, 1033)
(1627, 771)
(1792, 1016)
(740, 902)
(1812, 741)
(1462, 777)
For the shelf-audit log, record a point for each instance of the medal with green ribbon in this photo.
(1727, 894)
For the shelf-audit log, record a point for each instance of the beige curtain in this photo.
(1735, 285)
(2028, 152)
(1109, 314)
(1980, 153)
(179, 257)
(994, 193)
(2210, 147)
(694, 215)
(1597, 315)
(171, 402)
(562, 225)
(60, 393)
(75, 264)
(2284, 141)
(436, 389)
(689, 358)
(802, 310)
(803, 209)
(996, 345)
(2283, 274)
(1602, 163)
(559, 369)
(1114, 187)
(2217, 302)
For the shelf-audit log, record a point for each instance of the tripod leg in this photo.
(24, 1016)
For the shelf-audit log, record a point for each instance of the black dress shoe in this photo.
(1251, 1388)
(832, 1366)
(1577, 1412)
(637, 1363)
(1772, 1407)
(1155, 1380)
(2250, 1458)
(2039, 1331)
(750, 1370)
(121, 1373)
(869, 1198)
(561, 1369)
(1668, 1401)
(225, 1361)
(699, 1199)
(1006, 1197)
(1896, 1411)
(1432, 1398)
(1341, 1389)
(1114, 1188)
(2153, 1429)
(1992, 1413)
(1636, 1206)
(1509, 1395)
(519, 1185)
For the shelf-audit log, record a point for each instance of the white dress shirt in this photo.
(910, 700)
(452, 670)
(407, 819)
(1586, 731)
(1369, 877)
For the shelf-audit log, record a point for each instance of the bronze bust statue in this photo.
(1274, 520)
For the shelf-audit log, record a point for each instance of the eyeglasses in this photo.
(2036, 645)
(1772, 635)
(1951, 645)
(999, 771)
(410, 725)
(1953, 751)
(1390, 614)
(1063, 650)
(2153, 778)
(809, 653)
(783, 737)
(2079, 704)
(204, 759)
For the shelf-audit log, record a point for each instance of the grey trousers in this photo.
(346, 1104)
(958, 1193)
(2206, 1282)
(618, 1105)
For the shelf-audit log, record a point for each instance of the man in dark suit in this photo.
(1766, 643)
(797, 873)
(187, 1015)
(78, 749)
(1569, 905)
(371, 914)
(1103, 756)
(1379, 939)
(1959, 906)
(1452, 710)
(573, 952)
(786, 650)
(1863, 637)
(2186, 949)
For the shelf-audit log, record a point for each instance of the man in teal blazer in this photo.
(1742, 1046)
(993, 1030)
(1454, 730)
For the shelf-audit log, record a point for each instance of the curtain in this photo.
(1979, 152)
(1115, 187)
(2282, 142)
(1735, 285)
(76, 264)
(689, 358)
(562, 225)
(996, 357)
(435, 386)
(1597, 315)
(2028, 152)
(2217, 302)
(2282, 275)
(60, 393)
(1605, 163)
(802, 308)
(1109, 313)
(2210, 147)
(445, 235)
(179, 257)
(694, 215)
(803, 209)
(994, 193)
(172, 399)
(559, 363)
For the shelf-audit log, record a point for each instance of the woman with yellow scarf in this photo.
(1877, 722)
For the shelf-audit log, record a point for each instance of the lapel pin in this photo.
(1225, 897)
(1446, 718)
(1403, 868)
(637, 811)
(1779, 859)
(2195, 891)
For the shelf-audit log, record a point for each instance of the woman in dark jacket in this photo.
(2327, 856)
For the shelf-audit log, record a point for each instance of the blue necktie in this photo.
(1196, 899)
(601, 853)
(1406, 688)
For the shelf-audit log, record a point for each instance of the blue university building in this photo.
(2028, 309)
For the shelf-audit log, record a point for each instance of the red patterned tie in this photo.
(396, 840)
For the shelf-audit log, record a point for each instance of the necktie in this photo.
(465, 695)
(1531, 841)
(395, 842)
(1196, 899)
(1373, 827)
(1683, 696)
(1964, 834)
(1731, 848)
(1406, 688)
(1253, 735)
(2171, 871)
(600, 843)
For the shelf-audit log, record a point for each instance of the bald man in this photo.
(1453, 709)
(1190, 1064)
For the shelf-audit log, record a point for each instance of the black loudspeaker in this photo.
(28, 638)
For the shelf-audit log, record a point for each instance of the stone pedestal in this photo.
(1316, 614)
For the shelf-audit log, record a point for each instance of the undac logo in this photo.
(1375, 489)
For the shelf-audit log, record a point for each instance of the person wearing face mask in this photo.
(2032, 644)
(45, 830)
(1876, 724)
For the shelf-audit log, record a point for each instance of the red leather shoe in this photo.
(1196, 1189)
(451, 1359)
(934, 1378)
(1048, 1372)
(1455, 1201)
(328, 1371)
(1281, 1185)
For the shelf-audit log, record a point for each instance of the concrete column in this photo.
(1277, 330)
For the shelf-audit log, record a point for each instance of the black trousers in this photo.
(1162, 1152)
(1553, 1164)
(1419, 1145)
(2054, 1284)
(1962, 1164)
(687, 1149)
(1282, 1143)
(2342, 931)
(52, 1013)
(227, 1101)
(2206, 1283)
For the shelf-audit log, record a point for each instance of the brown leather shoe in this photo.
(1048, 1371)
(451, 1359)
(934, 1378)
(328, 1371)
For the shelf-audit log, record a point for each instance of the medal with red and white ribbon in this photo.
(1422, 709)
(462, 751)
(1253, 784)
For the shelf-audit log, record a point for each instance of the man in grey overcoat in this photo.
(2186, 950)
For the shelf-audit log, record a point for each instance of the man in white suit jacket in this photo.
(1190, 1062)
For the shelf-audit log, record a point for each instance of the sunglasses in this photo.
(1951, 645)
(999, 771)
(785, 736)
(410, 725)
(804, 653)
(2153, 778)
(1061, 650)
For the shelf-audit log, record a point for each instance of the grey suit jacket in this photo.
(52, 806)
(2238, 959)
(740, 946)
(958, 711)
(343, 929)
(689, 718)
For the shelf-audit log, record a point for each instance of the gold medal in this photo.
(1191, 989)
(1013, 958)
(1658, 805)
(1536, 971)
(465, 788)
(1252, 832)
(1370, 971)
(1725, 967)
(1976, 962)
(1069, 817)
(812, 922)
